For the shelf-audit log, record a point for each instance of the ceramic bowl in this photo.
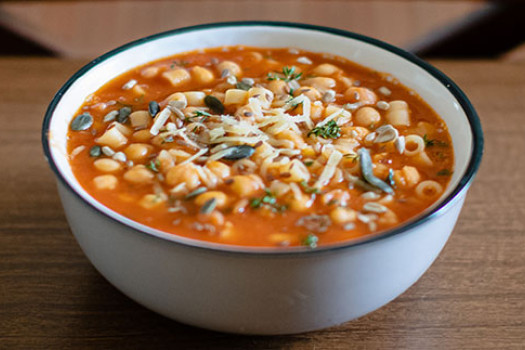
(262, 290)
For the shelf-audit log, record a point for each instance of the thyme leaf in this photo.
(328, 131)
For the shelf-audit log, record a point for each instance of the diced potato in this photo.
(235, 97)
(177, 76)
(150, 72)
(140, 119)
(202, 75)
(195, 98)
(245, 185)
(112, 138)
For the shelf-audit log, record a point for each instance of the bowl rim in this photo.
(438, 210)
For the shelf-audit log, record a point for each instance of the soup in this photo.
(260, 147)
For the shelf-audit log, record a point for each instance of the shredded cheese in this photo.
(160, 119)
(329, 169)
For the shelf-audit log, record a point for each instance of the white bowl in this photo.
(262, 290)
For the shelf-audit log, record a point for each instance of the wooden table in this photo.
(473, 297)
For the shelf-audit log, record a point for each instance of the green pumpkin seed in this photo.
(82, 122)
(244, 85)
(195, 193)
(239, 152)
(153, 108)
(123, 114)
(214, 104)
(209, 206)
(95, 151)
(366, 168)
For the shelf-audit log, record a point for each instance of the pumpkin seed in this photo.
(110, 116)
(366, 168)
(95, 151)
(214, 104)
(153, 108)
(195, 193)
(82, 122)
(209, 206)
(123, 114)
(242, 85)
(239, 152)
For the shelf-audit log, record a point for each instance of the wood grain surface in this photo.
(473, 297)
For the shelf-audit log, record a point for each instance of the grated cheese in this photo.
(329, 169)
(160, 119)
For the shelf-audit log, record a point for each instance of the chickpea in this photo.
(342, 215)
(320, 83)
(177, 77)
(107, 165)
(138, 151)
(139, 174)
(220, 198)
(300, 204)
(219, 169)
(367, 116)
(142, 136)
(202, 75)
(359, 94)
(326, 69)
(151, 201)
(245, 185)
(165, 160)
(183, 173)
(232, 67)
(105, 182)
(278, 87)
(312, 93)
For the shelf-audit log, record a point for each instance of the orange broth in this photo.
(263, 225)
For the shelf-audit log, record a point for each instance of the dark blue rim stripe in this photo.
(475, 125)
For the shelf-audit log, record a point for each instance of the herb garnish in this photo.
(197, 114)
(430, 143)
(444, 172)
(308, 189)
(287, 75)
(328, 131)
(153, 166)
(310, 241)
(354, 157)
(268, 200)
(181, 63)
(308, 162)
